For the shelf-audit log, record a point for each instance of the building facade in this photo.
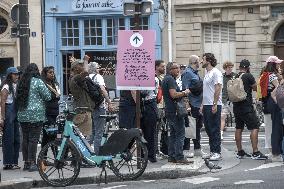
(79, 27)
(9, 47)
(232, 30)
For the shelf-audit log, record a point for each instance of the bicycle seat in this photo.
(108, 117)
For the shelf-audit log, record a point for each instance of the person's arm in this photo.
(173, 92)
(218, 81)
(44, 91)
(4, 96)
(273, 93)
(133, 94)
(104, 91)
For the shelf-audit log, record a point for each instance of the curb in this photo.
(27, 183)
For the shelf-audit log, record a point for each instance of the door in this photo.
(279, 38)
(66, 66)
(4, 64)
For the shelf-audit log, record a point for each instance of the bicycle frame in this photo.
(72, 133)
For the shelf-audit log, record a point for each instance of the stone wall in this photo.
(254, 26)
(10, 46)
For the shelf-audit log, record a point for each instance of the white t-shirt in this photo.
(10, 98)
(98, 79)
(212, 78)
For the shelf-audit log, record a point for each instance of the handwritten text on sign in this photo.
(97, 5)
(136, 60)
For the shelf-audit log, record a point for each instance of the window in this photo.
(113, 25)
(3, 24)
(275, 11)
(93, 34)
(143, 23)
(219, 39)
(70, 32)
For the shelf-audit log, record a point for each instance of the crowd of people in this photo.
(29, 102)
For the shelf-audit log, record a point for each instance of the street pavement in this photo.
(155, 171)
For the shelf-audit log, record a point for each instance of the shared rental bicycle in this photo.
(59, 162)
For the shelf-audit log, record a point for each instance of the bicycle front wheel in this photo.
(59, 173)
(132, 162)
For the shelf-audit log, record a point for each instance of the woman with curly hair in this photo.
(32, 94)
(11, 137)
(52, 107)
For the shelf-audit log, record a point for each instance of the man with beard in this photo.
(212, 104)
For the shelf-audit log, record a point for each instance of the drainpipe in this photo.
(170, 40)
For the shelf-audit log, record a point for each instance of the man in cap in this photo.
(79, 69)
(245, 114)
(98, 123)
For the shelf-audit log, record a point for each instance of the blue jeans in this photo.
(176, 139)
(98, 127)
(11, 136)
(212, 124)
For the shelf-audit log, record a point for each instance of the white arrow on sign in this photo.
(136, 40)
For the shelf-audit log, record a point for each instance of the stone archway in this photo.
(279, 39)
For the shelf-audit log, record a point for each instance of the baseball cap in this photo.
(76, 62)
(274, 59)
(12, 70)
(244, 63)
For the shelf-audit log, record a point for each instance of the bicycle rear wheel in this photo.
(59, 173)
(131, 164)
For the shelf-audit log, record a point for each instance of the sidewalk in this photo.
(18, 179)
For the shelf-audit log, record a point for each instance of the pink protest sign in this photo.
(136, 60)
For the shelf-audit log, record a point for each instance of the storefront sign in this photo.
(136, 60)
(97, 5)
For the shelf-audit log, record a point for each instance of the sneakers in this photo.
(258, 156)
(184, 161)
(242, 154)
(207, 156)
(188, 154)
(215, 157)
(276, 158)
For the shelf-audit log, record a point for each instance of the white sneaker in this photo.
(188, 154)
(207, 156)
(215, 157)
(276, 158)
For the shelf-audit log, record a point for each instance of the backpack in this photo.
(280, 96)
(94, 91)
(236, 91)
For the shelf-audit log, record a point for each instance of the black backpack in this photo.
(94, 91)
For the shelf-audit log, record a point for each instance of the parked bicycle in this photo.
(124, 152)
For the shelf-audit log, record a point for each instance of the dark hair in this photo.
(210, 58)
(158, 63)
(9, 81)
(270, 67)
(169, 66)
(44, 75)
(24, 85)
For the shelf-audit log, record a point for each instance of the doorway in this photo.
(4, 64)
(66, 68)
(279, 38)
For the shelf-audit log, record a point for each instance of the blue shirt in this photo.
(190, 78)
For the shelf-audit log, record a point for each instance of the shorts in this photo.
(249, 119)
